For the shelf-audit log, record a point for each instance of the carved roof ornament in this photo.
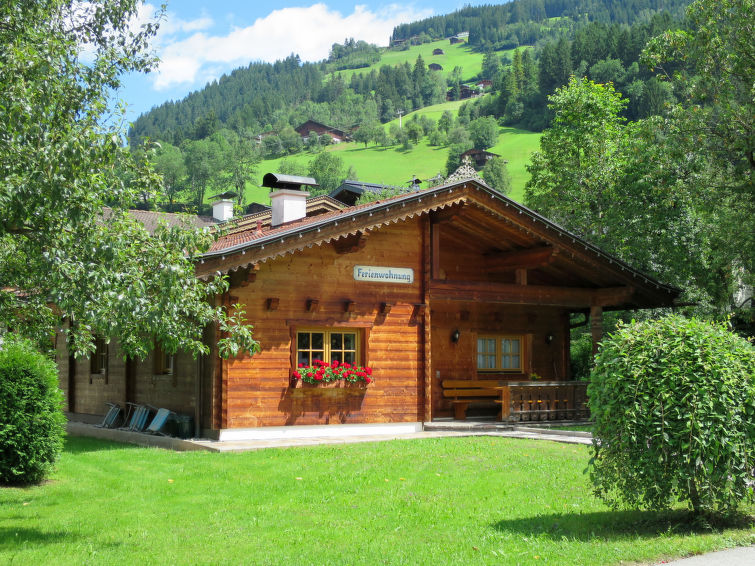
(465, 171)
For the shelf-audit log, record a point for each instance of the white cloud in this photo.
(307, 31)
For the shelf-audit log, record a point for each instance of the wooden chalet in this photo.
(479, 157)
(337, 134)
(435, 67)
(442, 292)
(438, 51)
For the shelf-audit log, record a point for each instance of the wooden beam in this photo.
(521, 276)
(434, 251)
(313, 305)
(520, 259)
(349, 306)
(545, 295)
(272, 303)
(385, 308)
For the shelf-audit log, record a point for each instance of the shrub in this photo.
(32, 424)
(674, 407)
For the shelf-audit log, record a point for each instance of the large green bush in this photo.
(32, 424)
(674, 408)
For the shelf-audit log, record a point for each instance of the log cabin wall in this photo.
(174, 391)
(280, 298)
(92, 391)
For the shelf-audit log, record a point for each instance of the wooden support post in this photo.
(596, 327)
(521, 276)
(505, 403)
(435, 250)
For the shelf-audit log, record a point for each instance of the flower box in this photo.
(335, 374)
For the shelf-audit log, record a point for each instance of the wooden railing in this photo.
(544, 401)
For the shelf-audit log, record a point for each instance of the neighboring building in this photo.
(451, 282)
(479, 157)
(337, 134)
(438, 51)
(435, 67)
(484, 84)
(350, 191)
(465, 91)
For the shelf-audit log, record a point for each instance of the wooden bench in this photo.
(538, 401)
(465, 392)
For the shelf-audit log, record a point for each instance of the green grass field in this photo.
(478, 500)
(459, 55)
(395, 166)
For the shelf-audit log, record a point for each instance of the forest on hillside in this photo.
(600, 37)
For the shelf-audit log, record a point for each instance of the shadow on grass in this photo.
(84, 444)
(616, 525)
(14, 537)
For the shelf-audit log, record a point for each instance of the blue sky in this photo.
(201, 40)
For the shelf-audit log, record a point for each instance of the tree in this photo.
(239, 162)
(328, 170)
(484, 132)
(169, 163)
(673, 402)
(60, 151)
(572, 174)
(712, 65)
(496, 174)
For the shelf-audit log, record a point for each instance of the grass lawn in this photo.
(465, 501)
(459, 55)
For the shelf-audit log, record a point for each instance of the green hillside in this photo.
(459, 55)
(396, 166)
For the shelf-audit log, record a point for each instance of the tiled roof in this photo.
(151, 219)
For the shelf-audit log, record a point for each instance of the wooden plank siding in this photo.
(258, 390)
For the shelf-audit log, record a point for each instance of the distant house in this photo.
(479, 156)
(465, 91)
(484, 83)
(434, 67)
(438, 51)
(460, 37)
(320, 129)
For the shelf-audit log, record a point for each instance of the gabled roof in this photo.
(484, 205)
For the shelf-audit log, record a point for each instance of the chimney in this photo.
(222, 210)
(288, 205)
(289, 201)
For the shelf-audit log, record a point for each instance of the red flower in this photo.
(334, 364)
(297, 375)
(318, 377)
(368, 370)
(346, 365)
(301, 365)
(367, 380)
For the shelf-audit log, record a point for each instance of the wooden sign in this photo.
(383, 274)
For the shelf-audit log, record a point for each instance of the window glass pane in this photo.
(350, 341)
(318, 355)
(506, 346)
(336, 340)
(318, 341)
(336, 356)
(303, 340)
(303, 358)
(515, 362)
(514, 346)
(350, 357)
